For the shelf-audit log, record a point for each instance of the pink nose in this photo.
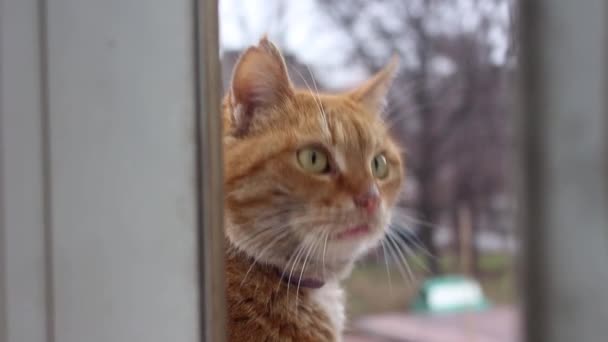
(368, 200)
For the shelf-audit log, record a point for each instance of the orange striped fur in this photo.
(285, 222)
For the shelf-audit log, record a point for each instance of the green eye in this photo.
(313, 160)
(380, 166)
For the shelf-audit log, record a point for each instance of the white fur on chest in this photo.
(331, 298)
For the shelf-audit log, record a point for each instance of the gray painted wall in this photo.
(98, 197)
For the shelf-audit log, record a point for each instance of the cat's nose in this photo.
(368, 200)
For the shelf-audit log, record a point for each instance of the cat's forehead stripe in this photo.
(340, 159)
(337, 133)
(352, 134)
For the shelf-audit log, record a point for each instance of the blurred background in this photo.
(109, 164)
(450, 109)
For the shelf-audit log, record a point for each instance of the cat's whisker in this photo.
(392, 254)
(323, 114)
(286, 266)
(313, 246)
(317, 100)
(258, 237)
(388, 272)
(377, 255)
(401, 255)
(304, 246)
(324, 251)
(266, 237)
(272, 226)
(263, 252)
(274, 214)
(413, 239)
(405, 240)
(277, 214)
(405, 216)
(404, 244)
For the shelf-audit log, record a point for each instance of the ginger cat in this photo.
(310, 182)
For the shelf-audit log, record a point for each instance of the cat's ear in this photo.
(259, 81)
(372, 94)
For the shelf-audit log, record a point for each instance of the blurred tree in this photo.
(449, 99)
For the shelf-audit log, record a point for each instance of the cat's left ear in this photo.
(373, 93)
(259, 81)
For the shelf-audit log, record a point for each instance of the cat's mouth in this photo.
(352, 232)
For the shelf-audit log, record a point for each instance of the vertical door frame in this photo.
(210, 164)
(563, 128)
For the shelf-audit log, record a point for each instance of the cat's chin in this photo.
(343, 251)
(331, 260)
(354, 232)
(354, 241)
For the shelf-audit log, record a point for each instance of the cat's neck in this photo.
(257, 290)
(284, 279)
(301, 282)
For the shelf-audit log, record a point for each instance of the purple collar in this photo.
(307, 283)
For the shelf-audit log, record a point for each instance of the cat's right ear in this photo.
(259, 81)
(373, 93)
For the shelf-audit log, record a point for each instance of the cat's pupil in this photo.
(375, 163)
(314, 157)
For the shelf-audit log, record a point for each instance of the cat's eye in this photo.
(380, 166)
(313, 160)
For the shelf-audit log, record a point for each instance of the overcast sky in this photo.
(306, 32)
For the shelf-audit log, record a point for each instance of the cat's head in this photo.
(310, 178)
